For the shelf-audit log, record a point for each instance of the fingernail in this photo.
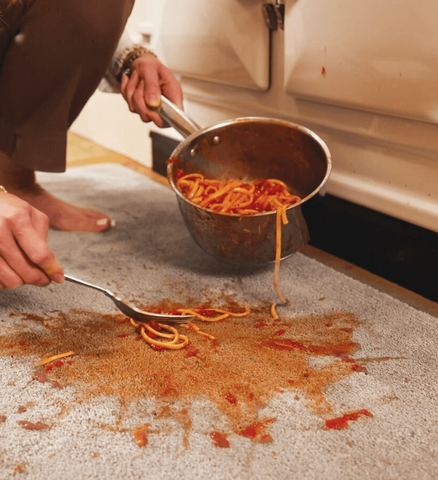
(52, 267)
(58, 277)
(106, 221)
(153, 101)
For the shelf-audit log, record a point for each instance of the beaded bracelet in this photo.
(3, 189)
(129, 59)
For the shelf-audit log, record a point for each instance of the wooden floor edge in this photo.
(124, 161)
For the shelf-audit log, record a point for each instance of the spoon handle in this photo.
(69, 278)
(130, 311)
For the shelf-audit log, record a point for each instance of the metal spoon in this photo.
(130, 311)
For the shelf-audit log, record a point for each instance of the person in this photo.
(52, 59)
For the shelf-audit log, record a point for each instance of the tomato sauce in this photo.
(255, 429)
(220, 440)
(342, 422)
(329, 350)
(140, 435)
(33, 426)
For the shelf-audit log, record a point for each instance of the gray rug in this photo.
(150, 258)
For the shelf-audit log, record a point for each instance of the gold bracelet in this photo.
(130, 58)
(3, 189)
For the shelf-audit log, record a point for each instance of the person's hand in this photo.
(149, 79)
(25, 257)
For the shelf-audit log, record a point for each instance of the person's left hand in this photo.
(149, 79)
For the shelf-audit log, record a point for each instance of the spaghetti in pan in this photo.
(242, 198)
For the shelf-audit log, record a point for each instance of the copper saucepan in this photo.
(247, 148)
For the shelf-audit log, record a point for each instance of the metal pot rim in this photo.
(251, 119)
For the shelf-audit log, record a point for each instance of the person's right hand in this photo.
(143, 89)
(25, 257)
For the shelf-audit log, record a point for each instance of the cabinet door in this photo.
(372, 55)
(222, 41)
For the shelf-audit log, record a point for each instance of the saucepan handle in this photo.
(176, 117)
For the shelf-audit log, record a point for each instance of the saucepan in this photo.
(247, 148)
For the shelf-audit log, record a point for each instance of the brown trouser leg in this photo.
(53, 55)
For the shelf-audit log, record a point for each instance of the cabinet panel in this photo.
(372, 55)
(225, 41)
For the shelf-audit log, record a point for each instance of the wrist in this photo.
(127, 60)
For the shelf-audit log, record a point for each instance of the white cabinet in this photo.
(368, 55)
(221, 41)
